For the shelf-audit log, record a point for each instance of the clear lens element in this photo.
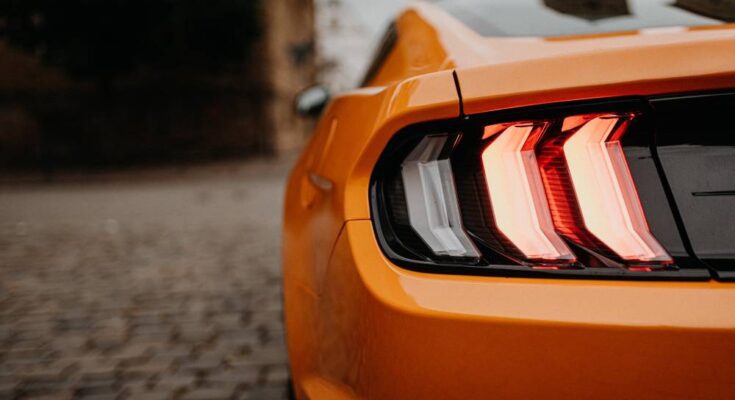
(431, 198)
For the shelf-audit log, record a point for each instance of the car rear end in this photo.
(641, 308)
(570, 233)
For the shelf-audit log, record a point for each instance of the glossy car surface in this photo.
(360, 326)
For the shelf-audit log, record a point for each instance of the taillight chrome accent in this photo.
(519, 205)
(605, 192)
(431, 199)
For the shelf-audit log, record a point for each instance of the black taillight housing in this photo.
(543, 191)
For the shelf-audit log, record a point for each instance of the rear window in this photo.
(578, 17)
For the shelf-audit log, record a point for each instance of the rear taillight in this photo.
(519, 206)
(547, 192)
(605, 193)
(431, 199)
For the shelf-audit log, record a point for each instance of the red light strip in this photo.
(517, 194)
(605, 192)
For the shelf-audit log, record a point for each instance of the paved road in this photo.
(157, 284)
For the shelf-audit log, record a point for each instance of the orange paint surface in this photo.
(359, 327)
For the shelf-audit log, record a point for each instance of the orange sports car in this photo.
(526, 199)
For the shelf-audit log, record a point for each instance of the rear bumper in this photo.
(379, 331)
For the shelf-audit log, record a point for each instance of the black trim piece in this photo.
(662, 98)
(410, 255)
(459, 93)
(672, 203)
(727, 276)
(653, 191)
(697, 172)
(714, 193)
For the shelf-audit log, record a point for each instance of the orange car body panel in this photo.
(359, 327)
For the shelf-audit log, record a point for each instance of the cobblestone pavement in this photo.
(158, 284)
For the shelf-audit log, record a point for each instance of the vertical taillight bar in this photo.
(604, 188)
(519, 205)
(431, 199)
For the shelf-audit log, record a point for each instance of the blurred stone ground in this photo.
(161, 284)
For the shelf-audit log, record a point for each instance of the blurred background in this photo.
(144, 146)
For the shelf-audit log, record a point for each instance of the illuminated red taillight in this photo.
(548, 192)
(519, 205)
(593, 199)
(580, 188)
